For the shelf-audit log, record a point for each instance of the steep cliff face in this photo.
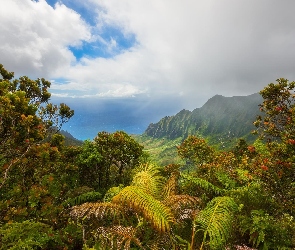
(219, 116)
(170, 126)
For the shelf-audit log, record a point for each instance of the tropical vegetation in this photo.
(109, 193)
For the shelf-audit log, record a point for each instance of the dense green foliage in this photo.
(107, 194)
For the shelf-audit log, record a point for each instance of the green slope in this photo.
(221, 120)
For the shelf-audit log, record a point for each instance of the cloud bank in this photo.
(192, 49)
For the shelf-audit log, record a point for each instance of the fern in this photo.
(100, 211)
(252, 196)
(159, 215)
(207, 186)
(216, 221)
(113, 191)
(150, 180)
(83, 198)
(225, 180)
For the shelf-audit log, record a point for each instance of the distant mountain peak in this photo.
(217, 116)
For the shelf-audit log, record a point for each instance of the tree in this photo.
(277, 127)
(278, 121)
(26, 116)
(36, 170)
(91, 169)
(259, 178)
(120, 153)
(195, 150)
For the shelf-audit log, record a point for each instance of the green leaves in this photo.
(149, 180)
(153, 210)
(83, 198)
(196, 150)
(28, 235)
(279, 111)
(206, 185)
(119, 151)
(267, 232)
(25, 116)
(215, 221)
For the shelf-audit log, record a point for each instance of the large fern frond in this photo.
(216, 221)
(207, 186)
(159, 215)
(150, 180)
(98, 211)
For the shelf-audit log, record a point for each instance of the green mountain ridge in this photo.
(221, 121)
(219, 116)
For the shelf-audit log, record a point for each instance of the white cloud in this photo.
(74, 89)
(196, 48)
(35, 37)
(121, 90)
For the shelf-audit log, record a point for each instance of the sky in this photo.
(188, 50)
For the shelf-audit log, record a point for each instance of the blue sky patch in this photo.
(85, 11)
(123, 41)
(51, 2)
(103, 47)
(113, 41)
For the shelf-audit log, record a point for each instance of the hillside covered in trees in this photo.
(219, 116)
(221, 120)
(108, 193)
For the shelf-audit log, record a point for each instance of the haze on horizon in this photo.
(184, 50)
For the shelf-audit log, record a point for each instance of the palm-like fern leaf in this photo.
(203, 184)
(100, 211)
(159, 215)
(216, 221)
(150, 180)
